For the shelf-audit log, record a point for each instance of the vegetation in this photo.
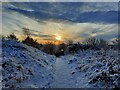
(69, 48)
(12, 36)
(29, 40)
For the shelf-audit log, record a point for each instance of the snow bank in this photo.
(24, 66)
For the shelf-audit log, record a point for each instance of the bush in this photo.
(109, 76)
(95, 44)
(92, 41)
(12, 36)
(49, 48)
(31, 42)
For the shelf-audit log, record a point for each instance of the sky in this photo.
(61, 21)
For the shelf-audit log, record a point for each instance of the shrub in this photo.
(49, 48)
(31, 42)
(12, 36)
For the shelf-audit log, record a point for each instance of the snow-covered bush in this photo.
(109, 73)
(100, 72)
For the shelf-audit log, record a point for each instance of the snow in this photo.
(25, 66)
(28, 67)
(62, 76)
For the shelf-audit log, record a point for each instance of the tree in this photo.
(92, 41)
(29, 40)
(26, 32)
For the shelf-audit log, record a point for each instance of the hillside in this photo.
(91, 69)
(25, 66)
(28, 67)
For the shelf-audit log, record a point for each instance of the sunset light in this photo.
(58, 38)
(55, 44)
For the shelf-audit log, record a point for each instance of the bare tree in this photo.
(92, 41)
(26, 32)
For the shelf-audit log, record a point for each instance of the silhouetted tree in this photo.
(31, 42)
(12, 36)
(26, 32)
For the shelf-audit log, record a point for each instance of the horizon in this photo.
(61, 22)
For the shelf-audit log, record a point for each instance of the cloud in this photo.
(99, 6)
(15, 21)
(76, 26)
(75, 12)
(82, 31)
(41, 35)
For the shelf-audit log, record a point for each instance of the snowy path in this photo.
(62, 76)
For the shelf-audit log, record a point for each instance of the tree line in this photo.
(91, 43)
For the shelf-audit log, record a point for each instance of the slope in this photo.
(24, 66)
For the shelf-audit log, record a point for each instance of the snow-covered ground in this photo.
(91, 69)
(25, 66)
(62, 75)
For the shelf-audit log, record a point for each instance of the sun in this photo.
(58, 38)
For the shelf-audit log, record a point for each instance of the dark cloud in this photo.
(73, 12)
(41, 35)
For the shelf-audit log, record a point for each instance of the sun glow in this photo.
(58, 38)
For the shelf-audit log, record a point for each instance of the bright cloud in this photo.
(46, 29)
